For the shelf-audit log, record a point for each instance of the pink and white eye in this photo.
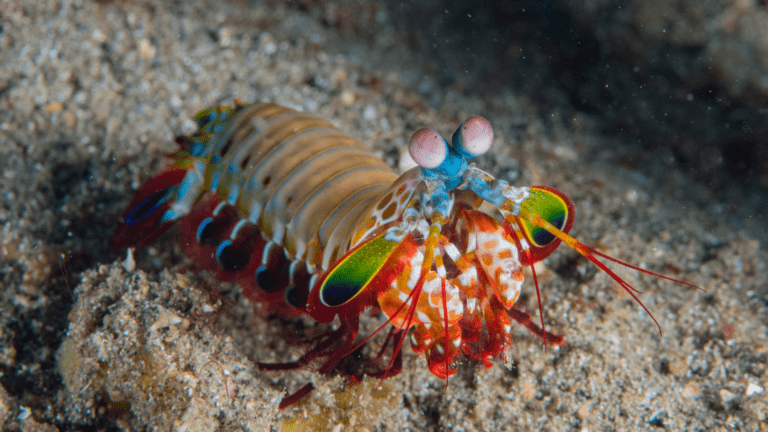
(476, 135)
(428, 148)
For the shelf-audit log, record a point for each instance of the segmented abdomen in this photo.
(293, 174)
(267, 189)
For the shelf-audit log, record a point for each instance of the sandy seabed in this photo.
(92, 95)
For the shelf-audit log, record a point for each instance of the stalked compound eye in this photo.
(473, 138)
(427, 148)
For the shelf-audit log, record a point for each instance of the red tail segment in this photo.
(141, 223)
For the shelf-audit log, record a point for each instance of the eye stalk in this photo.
(473, 138)
(428, 148)
(436, 158)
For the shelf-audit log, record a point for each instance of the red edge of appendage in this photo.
(527, 253)
(297, 396)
